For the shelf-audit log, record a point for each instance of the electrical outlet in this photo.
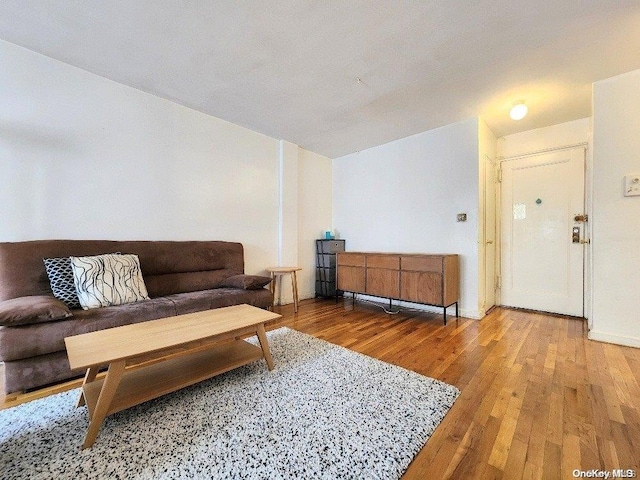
(632, 185)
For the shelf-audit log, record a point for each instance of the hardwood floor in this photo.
(538, 399)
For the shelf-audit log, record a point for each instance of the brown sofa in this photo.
(181, 277)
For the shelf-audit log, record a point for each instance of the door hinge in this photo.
(500, 175)
(498, 282)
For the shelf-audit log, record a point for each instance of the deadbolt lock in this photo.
(575, 234)
(581, 218)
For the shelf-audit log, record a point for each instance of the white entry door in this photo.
(542, 254)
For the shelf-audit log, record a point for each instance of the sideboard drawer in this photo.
(351, 259)
(383, 261)
(422, 263)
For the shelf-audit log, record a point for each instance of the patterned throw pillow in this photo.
(105, 280)
(60, 276)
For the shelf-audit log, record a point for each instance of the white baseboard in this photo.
(306, 295)
(473, 314)
(616, 339)
(287, 297)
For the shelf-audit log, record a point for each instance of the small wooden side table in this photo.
(278, 273)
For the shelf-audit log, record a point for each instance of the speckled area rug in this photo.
(323, 412)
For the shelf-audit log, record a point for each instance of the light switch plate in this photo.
(632, 185)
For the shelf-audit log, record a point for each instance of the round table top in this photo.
(282, 269)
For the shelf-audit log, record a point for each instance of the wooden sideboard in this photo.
(419, 278)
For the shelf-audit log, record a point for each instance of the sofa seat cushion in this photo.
(31, 340)
(38, 371)
(219, 297)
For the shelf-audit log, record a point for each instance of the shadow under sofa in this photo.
(180, 277)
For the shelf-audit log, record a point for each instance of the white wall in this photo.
(305, 210)
(288, 204)
(84, 157)
(314, 214)
(616, 219)
(555, 136)
(404, 196)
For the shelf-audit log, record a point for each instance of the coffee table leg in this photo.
(264, 344)
(89, 377)
(109, 387)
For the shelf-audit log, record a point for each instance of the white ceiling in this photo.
(290, 68)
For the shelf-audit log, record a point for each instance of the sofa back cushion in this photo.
(167, 266)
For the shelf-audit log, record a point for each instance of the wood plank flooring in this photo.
(538, 399)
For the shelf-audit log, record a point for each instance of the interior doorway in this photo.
(543, 225)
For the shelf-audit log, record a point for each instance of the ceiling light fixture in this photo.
(518, 111)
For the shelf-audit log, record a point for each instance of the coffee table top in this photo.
(105, 346)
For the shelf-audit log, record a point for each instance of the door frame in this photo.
(588, 204)
(494, 285)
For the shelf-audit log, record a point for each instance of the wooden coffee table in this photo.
(150, 359)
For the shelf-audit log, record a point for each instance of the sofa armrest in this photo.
(32, 309)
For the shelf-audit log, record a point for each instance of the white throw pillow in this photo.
(105, 280)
